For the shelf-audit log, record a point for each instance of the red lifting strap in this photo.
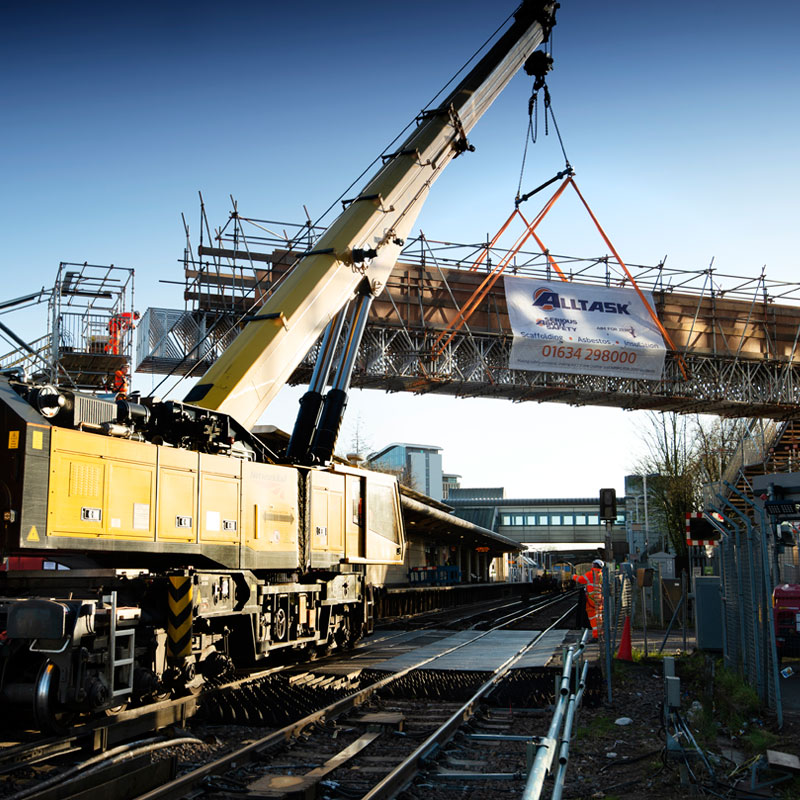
(480, 293)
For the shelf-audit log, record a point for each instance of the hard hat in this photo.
(598, 563)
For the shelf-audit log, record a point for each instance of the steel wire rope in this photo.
(531, 134)
(411, 123)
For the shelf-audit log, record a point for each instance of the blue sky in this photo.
(680, 120)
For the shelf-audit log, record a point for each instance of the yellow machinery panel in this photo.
(110, 486)
(177, 506)
(354, 518)
(327, 512)
(177, 495)
(270, 516)
(67, 440)
(131, 495)
(78, 511)
(384, 521)
(219, 499)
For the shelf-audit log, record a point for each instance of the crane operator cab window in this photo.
(384, 523)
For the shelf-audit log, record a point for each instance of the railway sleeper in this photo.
(453, 685)
(535, 687)
(272, 700)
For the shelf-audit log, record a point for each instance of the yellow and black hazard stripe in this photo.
(179, 620)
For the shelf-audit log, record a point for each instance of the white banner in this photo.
(582, 329)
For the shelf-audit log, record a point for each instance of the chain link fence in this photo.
(746, 567)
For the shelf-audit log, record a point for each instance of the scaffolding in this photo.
(734, 338)
(90, 324)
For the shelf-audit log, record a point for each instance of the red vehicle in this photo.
(21, 562)
(786, 615)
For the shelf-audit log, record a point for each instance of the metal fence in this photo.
(746, 566)
(183, 341)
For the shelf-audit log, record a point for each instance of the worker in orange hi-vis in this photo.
(592, 582)
(120, 382)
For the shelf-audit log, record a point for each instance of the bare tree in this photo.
(359, 441)
(682, 455)
(717, 441)
(671, 466)
(403, 474)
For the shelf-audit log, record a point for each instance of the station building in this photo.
(449, 561)
(418, 466)
(471, 540)
(557, 528)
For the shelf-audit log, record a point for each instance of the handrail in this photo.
(560, 729)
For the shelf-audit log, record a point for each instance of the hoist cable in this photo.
(549, 106)
(441, 91)
(532, 132)
(530, 136)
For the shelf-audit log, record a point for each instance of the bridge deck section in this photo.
(739, 353)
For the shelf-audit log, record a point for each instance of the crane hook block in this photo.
(461, 145)
(538, 65)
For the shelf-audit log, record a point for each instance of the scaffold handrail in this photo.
(534, 263)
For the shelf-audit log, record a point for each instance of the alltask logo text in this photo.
(548, 300)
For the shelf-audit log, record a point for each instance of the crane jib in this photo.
(368, 233)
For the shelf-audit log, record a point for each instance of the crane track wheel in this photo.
(179, 619)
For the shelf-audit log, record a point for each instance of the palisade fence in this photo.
(614, 599)
(623, 598)
(746, 559)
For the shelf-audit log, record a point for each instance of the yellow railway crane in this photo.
(190, 543)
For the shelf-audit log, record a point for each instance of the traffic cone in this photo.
(624, 652)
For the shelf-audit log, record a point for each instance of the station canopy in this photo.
(427, 517)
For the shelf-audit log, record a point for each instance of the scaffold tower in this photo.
(90, 324)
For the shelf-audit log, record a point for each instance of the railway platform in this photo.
(405, 600)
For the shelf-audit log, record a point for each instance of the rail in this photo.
(402, 773)
(396, 780)
(100, 736)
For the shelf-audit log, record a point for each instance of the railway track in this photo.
(527, 610)
(273, 689)
(337, 743)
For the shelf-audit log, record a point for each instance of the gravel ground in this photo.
(610, 759)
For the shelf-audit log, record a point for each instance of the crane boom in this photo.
(366, 238)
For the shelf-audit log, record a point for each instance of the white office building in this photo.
(419, 466)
